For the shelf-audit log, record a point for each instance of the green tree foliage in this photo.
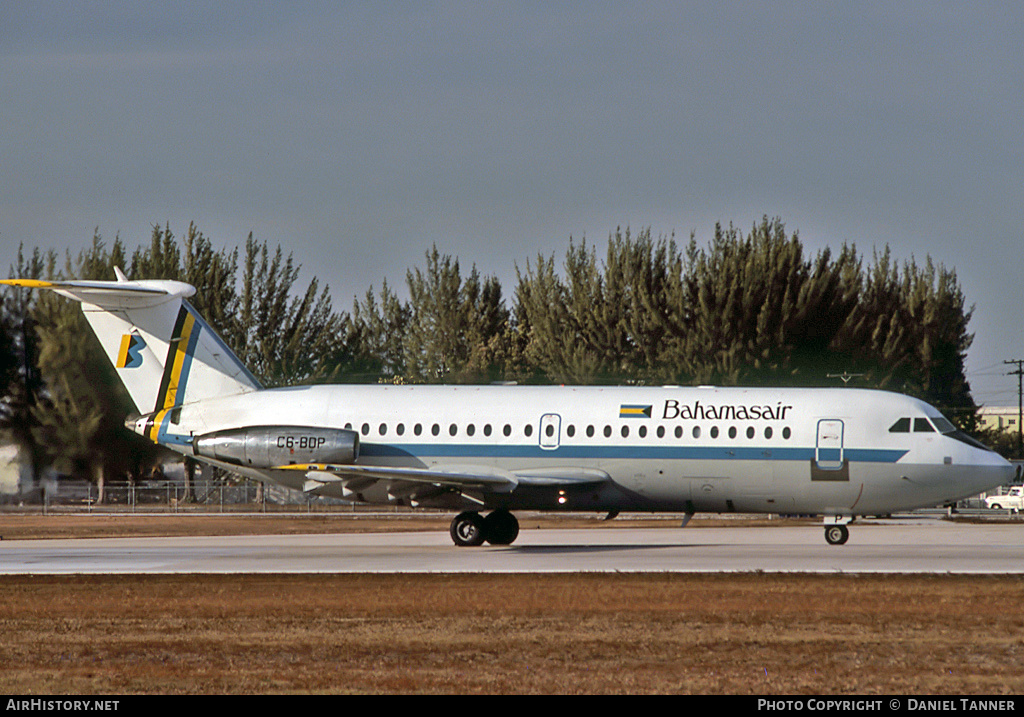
(9, 359)
(760, 312)
(452, 329)
(19, 375)
(374, 333)
(451, 323)
(283, 337)
(748, 309)
(909, 333)
(590, 326)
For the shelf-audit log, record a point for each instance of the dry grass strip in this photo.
(572, 633)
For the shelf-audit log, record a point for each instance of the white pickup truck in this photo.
(1013, 500)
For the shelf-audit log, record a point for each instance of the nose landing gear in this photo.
(836, 532)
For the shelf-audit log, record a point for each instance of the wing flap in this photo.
(478, 477)
(485, 478)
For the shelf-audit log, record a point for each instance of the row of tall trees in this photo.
(746, 309)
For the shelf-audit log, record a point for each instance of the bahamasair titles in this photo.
(486, 451)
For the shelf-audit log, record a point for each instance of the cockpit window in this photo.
(901, 426)
(943, 425)
(921, 425)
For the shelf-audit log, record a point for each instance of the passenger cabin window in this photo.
(901, 426)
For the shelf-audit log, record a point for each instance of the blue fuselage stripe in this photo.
(655, 453)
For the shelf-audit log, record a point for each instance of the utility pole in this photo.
(1019, 373)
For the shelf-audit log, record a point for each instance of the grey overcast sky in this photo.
(358, 134)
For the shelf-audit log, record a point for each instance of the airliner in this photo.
(839, 453)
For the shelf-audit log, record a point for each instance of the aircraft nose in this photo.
(993, 475)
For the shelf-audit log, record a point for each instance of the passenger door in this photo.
(828, 450)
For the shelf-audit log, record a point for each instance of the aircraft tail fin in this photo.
(164, 353)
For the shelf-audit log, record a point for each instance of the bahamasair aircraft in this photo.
(839, 453)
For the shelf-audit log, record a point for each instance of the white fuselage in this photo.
(815, 451)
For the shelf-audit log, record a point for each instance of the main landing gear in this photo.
(469, 529)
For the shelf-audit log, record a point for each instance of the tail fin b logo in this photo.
(130, 353)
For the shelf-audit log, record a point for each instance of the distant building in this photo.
(15, 473)
(999, 418)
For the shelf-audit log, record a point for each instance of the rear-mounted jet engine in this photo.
(272, 446)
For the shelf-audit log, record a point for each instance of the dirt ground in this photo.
(498, 634)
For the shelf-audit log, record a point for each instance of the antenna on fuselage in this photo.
(846, 376)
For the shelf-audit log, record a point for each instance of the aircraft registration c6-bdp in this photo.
(839, 453)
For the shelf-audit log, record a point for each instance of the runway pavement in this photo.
(917, 545)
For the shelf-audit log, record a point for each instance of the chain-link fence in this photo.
(162, 496)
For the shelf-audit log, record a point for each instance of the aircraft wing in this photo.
(460, 477)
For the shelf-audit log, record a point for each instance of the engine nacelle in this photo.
(271, 446)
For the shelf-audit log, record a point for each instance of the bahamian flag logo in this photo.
(627, 410)
(130, 353)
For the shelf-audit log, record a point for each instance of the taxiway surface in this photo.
(915, 546)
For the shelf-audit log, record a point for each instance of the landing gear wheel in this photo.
(501, 528)
(467, 529)
(837, 534)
